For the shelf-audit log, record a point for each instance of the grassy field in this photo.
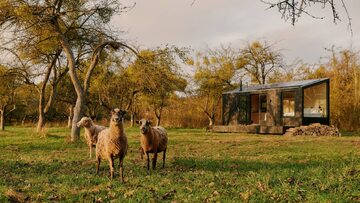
(201, 167)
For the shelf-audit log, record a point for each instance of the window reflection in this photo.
(315, 101)
(288, 104)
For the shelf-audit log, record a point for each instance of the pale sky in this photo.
(214, 22)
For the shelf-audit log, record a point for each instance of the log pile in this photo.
(315, 129)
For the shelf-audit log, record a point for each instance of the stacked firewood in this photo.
(315, 129)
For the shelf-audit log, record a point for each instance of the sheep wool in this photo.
(91, 132)
(112, 143)
(153, 140)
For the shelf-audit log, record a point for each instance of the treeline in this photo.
(155, 86)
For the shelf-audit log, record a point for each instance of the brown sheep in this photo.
(91, 132)
(112, 143)
(153, 140)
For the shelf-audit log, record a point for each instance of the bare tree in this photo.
(293, 9)
(259, 61)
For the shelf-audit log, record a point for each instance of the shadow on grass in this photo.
(54, 167)
(178, 164)
(240, 165)
(50, 144)
(51, 135)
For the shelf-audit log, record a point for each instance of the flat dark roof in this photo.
(281, 85)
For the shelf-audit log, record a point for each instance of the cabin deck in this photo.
(253, 128)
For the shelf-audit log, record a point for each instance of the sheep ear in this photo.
(137, 122)
(148, 122)
(112, 111)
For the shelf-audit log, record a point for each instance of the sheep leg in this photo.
(90, 149)
(164, 155)
(141, 153)
(121, 169)
(111, 164)
(154, 160)
(98, 164)
(148, 162)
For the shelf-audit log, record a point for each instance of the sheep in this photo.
(112, 143)
(91, 131)
(153, 140)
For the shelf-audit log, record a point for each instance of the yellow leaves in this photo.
(23, 10)
(214, 60)
(190, 62)
(241, 62)
(189, 189)
(214, 71)
(344, 104)
(214, 197)
(206, 61)
(256, 45)
(15, 196)
(215, 193)
(246, 195)
(260, 186)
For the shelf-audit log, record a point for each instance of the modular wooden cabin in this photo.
(272, 108)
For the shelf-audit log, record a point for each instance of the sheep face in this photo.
(144, 125)
(84, 122)
(117, 115)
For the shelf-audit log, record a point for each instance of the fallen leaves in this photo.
(15, 196)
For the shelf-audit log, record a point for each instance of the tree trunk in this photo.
(75, 131)
(23, 120)
(211, 118)
(41, 119)
(132, 120)
(263, 80)
(2, 120)
(133, 107)
(211, 123)
(158, 119)
(42, 111)
(70, 116)
(41, 122)
(78, 113)
(51, 99)
(158, 116)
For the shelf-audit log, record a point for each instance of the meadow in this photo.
(200, 167)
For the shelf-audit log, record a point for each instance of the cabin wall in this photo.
(272, 109)
(297, 119)
(235, 109)
(274, 115)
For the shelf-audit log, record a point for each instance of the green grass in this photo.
(201, 167)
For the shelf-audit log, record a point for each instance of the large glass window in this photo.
(288, 104)
(315, 101)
